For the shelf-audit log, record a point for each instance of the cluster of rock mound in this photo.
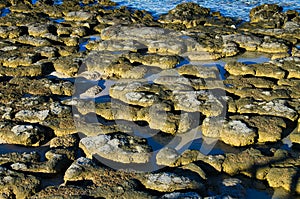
(88, 91)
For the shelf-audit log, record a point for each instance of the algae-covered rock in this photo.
(24, 134)
(17, 184)
(119, 148)
(169, 182)
(232, 132)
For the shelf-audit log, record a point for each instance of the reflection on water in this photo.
(85, 41)
(34, 1)
(58, 2)
(256, 60)
(60, 20)
(4, 12)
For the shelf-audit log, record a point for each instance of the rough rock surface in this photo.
(117, 148)
(93, 79)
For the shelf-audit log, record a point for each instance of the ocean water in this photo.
(231, 8)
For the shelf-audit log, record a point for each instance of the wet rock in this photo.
(119, 148)
(272, 108)
(158, 40)
(18, 157)
(180, 83)
(249, 82)
(109, 183)
(169, 182)
(32, 116)
(268, 16)
(61, 124)
(55, 163)
(48, 51)
(270, 46)
(197, 101)
(248, 42)
(232, 188)
(175, 195)
(24, 134)
(70, 41)
(167, 156)
(269, 129)
(295, 134)
(37, 30)
(112, 66)
(19, 57)
(65, 141)
(36, 69)
(292, 65)
(135, 93)
(156, 116)
(233, 132)
(188, 14)
(248, 161)
(163, 62)
(78, 16)
(42, 86)
(10, 32)
(260, 70)
(68, 192)
(14, 184)
(33, 41)
(282, 177)
(68, 65)
(118, 45)
(261, 94)
(199, 71)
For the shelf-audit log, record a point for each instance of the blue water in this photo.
(4, 12)
(60, 20)
(231, 8)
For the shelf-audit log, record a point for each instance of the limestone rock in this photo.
(167, 156)
(269, 129)
(135, 93)
(119, 148)
(282, 177)
(55, 163)
(18, 157)
(268, 15)
(64, 141)
(199, 71)
(38, 29)
(161, 61)
(110, 183)
(158, 40)
(237, 133)
(246, 161)
(169, 182)
(78, 16)
(24, 134)
(272, 108)
(247, 41)
(17, 184)
(33, 41)
(68, 65)
(197, 101)
(260, 70)
(118, 45)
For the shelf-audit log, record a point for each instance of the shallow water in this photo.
(4, 12)
(231, 8)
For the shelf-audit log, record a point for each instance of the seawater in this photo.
(231, 8)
